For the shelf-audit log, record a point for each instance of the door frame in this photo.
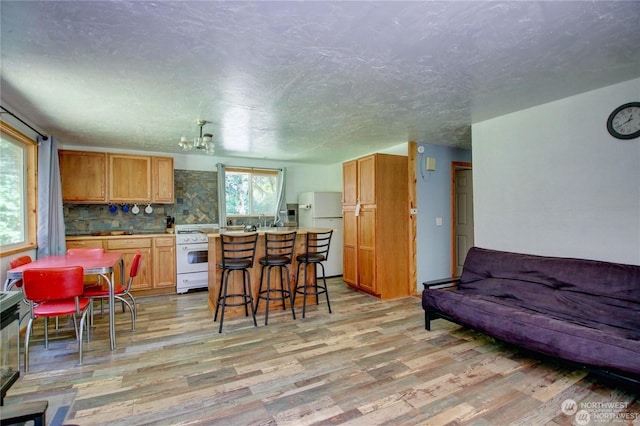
(455, 166)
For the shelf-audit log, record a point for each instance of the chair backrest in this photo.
(134, 269)
(280, 245)
(19, 261)
(318, 244)
(44, 284)
(14, 263)
(135, 265)
(238, 248)
(88, 251)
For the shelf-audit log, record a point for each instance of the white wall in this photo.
(550, 180)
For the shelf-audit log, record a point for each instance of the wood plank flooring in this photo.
(370, 362)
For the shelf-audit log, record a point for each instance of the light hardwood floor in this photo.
(369, 362)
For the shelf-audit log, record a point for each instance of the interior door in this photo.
(463, 219)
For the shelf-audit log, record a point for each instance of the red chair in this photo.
(52, 292)
(121, 292)
(14, 263)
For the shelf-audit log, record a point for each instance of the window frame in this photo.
(30, 148)
(251, 171)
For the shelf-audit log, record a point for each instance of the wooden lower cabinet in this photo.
(164, 262)
(128, 247)
(350, 246)
(157, 274)
(368, 268)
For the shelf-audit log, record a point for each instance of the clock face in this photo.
(624, 121)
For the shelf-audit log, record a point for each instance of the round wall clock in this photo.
(624, 121)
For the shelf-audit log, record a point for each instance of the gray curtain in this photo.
(222, 196)
(281, 204)
(51, 232)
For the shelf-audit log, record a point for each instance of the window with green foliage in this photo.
(251, 192)
(17, 190)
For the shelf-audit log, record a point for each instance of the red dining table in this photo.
(103, 265)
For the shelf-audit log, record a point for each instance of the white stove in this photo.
(192, 255)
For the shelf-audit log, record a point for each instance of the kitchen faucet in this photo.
(263, 218)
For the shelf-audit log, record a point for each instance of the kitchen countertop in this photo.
(142, 234)
(262, 231)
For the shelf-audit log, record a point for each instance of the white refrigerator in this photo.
(324, 210)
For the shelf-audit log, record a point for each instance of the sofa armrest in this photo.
(442, 283)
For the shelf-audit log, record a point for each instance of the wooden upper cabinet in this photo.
(162, 175)
(100, 177)
(129, 178)
(349, 183)
(367, 179)
(83, 176)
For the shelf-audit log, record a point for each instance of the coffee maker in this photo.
(171, 222)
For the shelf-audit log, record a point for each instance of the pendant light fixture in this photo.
(204, 143)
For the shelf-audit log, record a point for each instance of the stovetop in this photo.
(194, 233)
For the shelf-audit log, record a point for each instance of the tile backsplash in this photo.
(196, 202)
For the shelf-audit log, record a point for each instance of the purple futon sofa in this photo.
(583, 311)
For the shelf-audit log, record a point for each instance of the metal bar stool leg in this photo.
(247, 282)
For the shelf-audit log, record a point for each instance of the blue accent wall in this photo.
(433, 190)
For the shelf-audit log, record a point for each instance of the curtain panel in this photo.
(51, 230)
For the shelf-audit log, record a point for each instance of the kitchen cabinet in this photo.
(99, 177)
(128, 247)
(129, 178)
(164, 262)
(157, 273)
(83, 176)
(162, 180)
(375, 220)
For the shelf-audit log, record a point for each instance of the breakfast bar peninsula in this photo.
(235, 280)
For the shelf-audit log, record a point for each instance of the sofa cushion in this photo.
(602, 348)
(585, 292)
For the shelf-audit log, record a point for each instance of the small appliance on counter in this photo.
(171, 221)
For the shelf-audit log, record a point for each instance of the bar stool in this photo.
(317, 252)
(238, 253)
(278, 253)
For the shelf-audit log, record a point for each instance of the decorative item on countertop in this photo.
(148, 209)
(113, 208)
(135, 209)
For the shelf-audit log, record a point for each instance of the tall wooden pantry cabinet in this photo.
(376, 219)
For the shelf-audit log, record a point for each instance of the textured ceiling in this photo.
(313, 82)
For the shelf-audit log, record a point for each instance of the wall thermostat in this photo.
(420, 149)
